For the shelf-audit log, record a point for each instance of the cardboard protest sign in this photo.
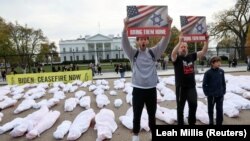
(194, 28)
(147, 20)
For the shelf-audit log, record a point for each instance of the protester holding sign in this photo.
(185, 79)
(144, 77)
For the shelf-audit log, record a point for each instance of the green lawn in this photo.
(105, 66)
(47, 68)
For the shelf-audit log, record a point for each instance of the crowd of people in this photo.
(95, 69)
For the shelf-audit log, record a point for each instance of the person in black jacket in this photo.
(214, 87)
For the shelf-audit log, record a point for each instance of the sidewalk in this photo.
(114, 75)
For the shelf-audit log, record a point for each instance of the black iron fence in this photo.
(26, 63)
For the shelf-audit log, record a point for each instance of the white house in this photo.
(92, 48)
(227, 52)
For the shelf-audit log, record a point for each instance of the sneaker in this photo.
(135, 138)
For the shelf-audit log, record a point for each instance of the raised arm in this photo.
(130, 51)
(165, 39)
(163, 43)
(201, 53)
(176, 48)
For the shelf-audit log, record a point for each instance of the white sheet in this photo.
(80, 124)
(45, 123)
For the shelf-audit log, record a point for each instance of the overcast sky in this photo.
(68, 19)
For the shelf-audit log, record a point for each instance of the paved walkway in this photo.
(114, 75)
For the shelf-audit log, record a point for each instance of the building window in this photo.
(71, 58)
(116, 56)
(107, 46)
(93, 57)
(83, 49)
(116, 47)
(65, 58)
(77, 58)
(64, 50)
(91, 47)
(99, 46)
(83, 57)
(70, 49)
(122, 56)
(76, 49)
(107, 57)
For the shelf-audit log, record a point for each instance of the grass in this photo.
(48, 68)
(105, 66)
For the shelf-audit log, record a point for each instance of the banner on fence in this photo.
(67, 76)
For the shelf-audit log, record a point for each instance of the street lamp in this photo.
(73, 56)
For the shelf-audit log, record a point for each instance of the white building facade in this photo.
(99, 47)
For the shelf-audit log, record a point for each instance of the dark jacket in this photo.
(122, 69)
(214, 82)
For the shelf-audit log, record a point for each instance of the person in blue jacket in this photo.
(214, 87)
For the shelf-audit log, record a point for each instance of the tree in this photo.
(5, 44)
(248, 42)
(227, 42)
(47, 50)
(173, 40)
(233, 23)
(154, 40)
(248, 37)
(26, 41)
(4, 38)
(43, 55)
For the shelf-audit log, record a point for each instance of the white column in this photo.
(103, 53)
(96, 59)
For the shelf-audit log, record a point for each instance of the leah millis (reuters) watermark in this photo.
(239, 132)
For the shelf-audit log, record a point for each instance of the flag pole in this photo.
(98, 27)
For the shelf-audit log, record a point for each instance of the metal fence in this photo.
(27, 62)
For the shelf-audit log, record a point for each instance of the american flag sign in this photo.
(194, 28)
(146, 20)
